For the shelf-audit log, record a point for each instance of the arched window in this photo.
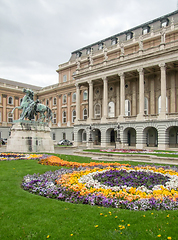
(97, 111)
(10, 100)
(111, 110)
(85, 95)
(85, 114)
(74, 97)
(127, 108)
(64, 98)
(10, 117)
(73, 115)
(159, 104)
(64, 117)
(54, 101)
(146, 106)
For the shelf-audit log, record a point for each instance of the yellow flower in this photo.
(128, 225)
(105, 215)
(48, 236)
(159, 235)
(169, 238)
(152, 213)
(143, 215)
(101, 213)
(96, 226)
(115, 216)
(71, 234)
(168, 215)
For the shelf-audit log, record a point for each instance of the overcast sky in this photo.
(38, 35)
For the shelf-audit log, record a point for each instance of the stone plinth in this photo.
(29, 136)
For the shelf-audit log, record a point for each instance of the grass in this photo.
(27, 216)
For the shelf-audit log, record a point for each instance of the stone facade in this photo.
(129, 80)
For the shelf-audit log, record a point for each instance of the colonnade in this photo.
(140, 115)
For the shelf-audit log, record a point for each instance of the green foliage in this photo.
(27, 216)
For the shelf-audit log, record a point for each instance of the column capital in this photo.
(4, 95)
(162, 65)
(77, 85)
(16, 98)
(69, 94)
(90, 82)
(59, 96)
(140, 70)
(104, 78)
(121, 74)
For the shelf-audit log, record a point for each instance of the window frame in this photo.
(10, 119)
(97, 115)
(85, 95)
(64, 78)
(128, 108)
(111, 114)
(85, 115)
(74, 98)
(64, 117)
(55, 118)
(54, 101)
(10, 103)
(64, 99)
(73, 116)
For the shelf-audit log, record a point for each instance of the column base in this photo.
(139, 146)
(119, 145)
(90, 144)
(121, 118)
(140, 117)
(162, 115)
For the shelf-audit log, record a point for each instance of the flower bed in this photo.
(16, 156)
(136, 151)
(138, 188)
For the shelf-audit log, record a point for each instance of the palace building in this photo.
(126, 85)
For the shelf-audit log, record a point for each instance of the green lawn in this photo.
(27, 216)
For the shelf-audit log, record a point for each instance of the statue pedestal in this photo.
(29, 136)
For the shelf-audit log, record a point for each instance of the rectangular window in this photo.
(65, 78)
(54, 136)
(54, 118)
(129, 36)
(63, 135)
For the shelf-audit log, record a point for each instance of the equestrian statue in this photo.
(31, 108)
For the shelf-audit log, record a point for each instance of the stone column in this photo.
(77, 102)
(173, 93)
(105, 98)
(152, 95)
(162, 114)
(68, 110)
(59, 111)
(141, 93)
(117, 100)
(90, 101)
(4, 113)
(16, 116)
(134, 99)
(122, 96)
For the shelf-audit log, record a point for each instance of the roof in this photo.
(19, 84)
